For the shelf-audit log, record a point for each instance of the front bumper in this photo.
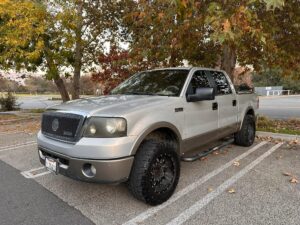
(107, 171)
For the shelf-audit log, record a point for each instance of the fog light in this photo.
(89, 170)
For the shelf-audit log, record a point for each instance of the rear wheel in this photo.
(155, 172)
(245, 136)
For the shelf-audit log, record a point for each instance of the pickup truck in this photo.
(138, 133)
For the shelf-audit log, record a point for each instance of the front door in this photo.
(201, 118)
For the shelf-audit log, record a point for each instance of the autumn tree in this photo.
(115, 68)
(214, 33)
(62, 37)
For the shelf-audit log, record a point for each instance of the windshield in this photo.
(157, 82)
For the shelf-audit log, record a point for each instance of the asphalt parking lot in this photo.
(234, 186)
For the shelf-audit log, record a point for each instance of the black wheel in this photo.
(245, 136)
(155, 172)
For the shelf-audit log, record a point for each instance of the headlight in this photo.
(101, 127)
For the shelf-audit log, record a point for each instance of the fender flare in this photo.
(152, 128)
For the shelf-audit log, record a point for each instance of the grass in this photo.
(36, 110)
(291, 126)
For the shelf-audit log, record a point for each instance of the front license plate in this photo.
(51, 164)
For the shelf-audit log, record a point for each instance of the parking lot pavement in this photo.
(262, 194)
(25, 202)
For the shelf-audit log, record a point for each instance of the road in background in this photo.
(276, 107)
(36, 102)
(280, 107)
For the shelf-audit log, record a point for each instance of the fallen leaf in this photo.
(231, 191)
(224, 151)
(216, 153)
(210, 189)
(203, 158)
(287, 174)
(236, 163)
(294, 180)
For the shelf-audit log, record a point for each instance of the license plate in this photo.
(51, 164)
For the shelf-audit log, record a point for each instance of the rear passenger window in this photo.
(199, 80)
(223, 87)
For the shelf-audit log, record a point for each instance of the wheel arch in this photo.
(164, 127)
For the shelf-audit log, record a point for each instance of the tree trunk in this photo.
(53, 74)
(62, 89)
(78, 53)
(228, 60)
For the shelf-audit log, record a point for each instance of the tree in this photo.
(115, 68)
(25, 30)
(62, 37)
(159, 35)
(87, 25)
(275, 77)
(214, 33)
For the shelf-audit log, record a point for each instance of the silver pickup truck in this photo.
(139, 132)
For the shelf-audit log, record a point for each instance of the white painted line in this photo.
(12, 147)
(9, 133)
(151, 211)
(29, 173)
(16, 145)
(188, 213)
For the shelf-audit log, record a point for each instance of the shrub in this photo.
(9, 102)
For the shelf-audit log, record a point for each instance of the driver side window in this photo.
(199, 80)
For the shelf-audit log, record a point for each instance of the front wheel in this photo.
(155, 172)
(246, 135)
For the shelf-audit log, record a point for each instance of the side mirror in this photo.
(201, 94)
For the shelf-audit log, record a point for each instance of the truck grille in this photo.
(63, 126)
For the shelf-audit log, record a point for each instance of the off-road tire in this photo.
(246, 135)
(154, 155)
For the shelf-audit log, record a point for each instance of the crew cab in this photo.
(138, 133)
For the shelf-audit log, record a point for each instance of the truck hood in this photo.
(112, 105)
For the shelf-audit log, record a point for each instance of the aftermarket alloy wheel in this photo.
(246, 136)
(155, 172)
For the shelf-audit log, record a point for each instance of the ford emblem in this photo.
(55, 125)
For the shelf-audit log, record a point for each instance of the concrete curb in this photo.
(287, 137)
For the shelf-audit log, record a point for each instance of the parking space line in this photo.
(11, 147)
(30, 174)
(151, 211)
(8, 133)
(188, 213)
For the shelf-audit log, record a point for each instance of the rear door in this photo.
(227, 102)
(201, 118)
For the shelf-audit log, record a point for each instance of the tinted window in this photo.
(199, 80)
(223, 87)
(156, 82)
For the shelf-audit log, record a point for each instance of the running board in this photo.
(207, 152)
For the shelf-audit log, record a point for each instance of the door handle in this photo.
(233, 102)
(215, 106)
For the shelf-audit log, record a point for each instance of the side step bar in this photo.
(207, 152)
